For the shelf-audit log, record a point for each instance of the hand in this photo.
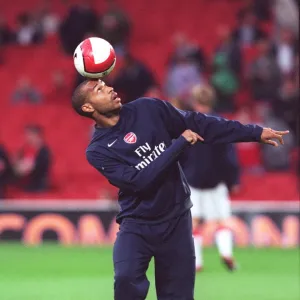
(268, 134)
(192, 137)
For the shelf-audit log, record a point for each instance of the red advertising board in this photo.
(88, 225)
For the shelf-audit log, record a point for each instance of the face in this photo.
(101, 98)
(32, 137)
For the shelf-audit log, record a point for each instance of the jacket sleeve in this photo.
(231, 166)
(128, 177)
(214, 130)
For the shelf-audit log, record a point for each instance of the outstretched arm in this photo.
(215, 130)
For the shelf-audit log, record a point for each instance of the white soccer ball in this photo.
(94, 58)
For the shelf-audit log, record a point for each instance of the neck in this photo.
(107, 120)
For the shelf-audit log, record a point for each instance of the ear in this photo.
(88, 108)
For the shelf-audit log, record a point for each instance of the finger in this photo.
(272, 143)
(191, 139)
(200, 138)
(281, 132)
(195, 138)
(279, 138)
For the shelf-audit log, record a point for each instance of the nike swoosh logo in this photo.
(109, 145)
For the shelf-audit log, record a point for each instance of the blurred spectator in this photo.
(286, 50)
(203, 100)
(181, 77)
(114, 27)
(133, 80)
(287, 14)
(6, 35)
(58, 81)
(184, 47)
(286, 104)
(6, 171)
(25, 91)
(34, 160)
(47, 19)
(59, 89)
(229, 49)
(248, 31)
(80, 21)
(264, 74)
(28, 31)
(262, 9)
(225, 82)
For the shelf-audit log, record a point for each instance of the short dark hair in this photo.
(78, 99)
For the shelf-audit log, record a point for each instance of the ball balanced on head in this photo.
(94, 58)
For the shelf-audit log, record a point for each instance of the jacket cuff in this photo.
(179, 145)
(256, 133)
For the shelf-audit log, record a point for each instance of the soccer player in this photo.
(210, 171)
(137, 147)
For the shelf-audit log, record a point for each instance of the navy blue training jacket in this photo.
(205, 165)
(137, 156)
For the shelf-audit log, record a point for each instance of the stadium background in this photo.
(73, 219)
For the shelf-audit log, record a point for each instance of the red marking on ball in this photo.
(89, 61)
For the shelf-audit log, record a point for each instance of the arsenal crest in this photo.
(130, 138)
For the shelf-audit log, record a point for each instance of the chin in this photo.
(118, 105)
(117, 108)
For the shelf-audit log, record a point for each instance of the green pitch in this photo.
(52, 272)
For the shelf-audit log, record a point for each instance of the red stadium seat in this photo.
(68, 135)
